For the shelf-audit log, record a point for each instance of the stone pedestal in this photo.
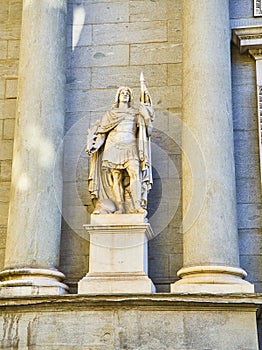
(118, 261)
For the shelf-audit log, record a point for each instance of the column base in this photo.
(115, 284)
(212, 279)
(26, 281)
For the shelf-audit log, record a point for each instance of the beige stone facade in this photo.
(108, 44)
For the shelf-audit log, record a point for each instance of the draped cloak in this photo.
(100, 180)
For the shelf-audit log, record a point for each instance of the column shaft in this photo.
(210, 240)
(33, 238)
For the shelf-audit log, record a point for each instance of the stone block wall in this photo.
(10, 25)
(109, 44)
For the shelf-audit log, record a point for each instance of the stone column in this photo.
(211, 257)
(33, 237)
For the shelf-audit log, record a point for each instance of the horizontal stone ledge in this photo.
(163, 301)
(247, 38)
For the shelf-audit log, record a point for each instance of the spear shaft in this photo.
(143, 87)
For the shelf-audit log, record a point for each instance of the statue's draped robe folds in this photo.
(114, 154)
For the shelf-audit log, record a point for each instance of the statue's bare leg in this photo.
(118, 191)
(135, 185)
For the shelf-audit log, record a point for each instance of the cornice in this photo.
(248, 38)
(164, 302)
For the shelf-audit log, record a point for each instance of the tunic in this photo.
(121, 143)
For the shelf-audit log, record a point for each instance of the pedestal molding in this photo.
(108, 229)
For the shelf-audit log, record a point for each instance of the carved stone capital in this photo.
(256, 54)
(247, 39)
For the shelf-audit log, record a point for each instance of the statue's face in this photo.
(124, 96)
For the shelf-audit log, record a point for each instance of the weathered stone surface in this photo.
(174, 74)
(2, 89)
(175, 31)
(11, 88)
(249, 216)
(4, 12)
(76, 170)
(3, 49)
(4, 192)
(7, 108)
(113, 77)
(248, 191)
(1, 128)
(3, 230)
(252, 265)
(130, 33)
(10, 31)
(101, 55)
(250, 96)
(155, 53)
(5, 170)
(15, 11)
(78, 78)
(96, 12)
(250, 242)
(246, 142)
(155, 10)
(74, 255)
(243, 11)
(245, 118)
(247, 164)
(6, 149)
(90, 100)
(13, 49)
(8, 68)
(243, 69)
(4, 207)
(75, 216)
(123, 323)
(167, 97)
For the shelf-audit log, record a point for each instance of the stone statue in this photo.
(120, 175)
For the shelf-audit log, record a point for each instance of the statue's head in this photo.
(124, 94)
